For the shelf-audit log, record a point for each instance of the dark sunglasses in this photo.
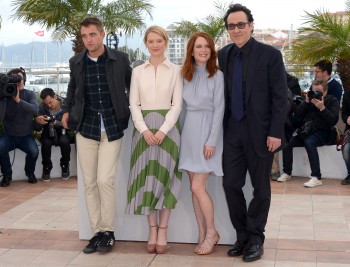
(239, 25)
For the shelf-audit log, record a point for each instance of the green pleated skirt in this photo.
(154, 182)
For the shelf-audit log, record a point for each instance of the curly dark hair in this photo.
(238, 7)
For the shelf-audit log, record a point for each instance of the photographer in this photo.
(318, 113)
(49, 119)
(16, 113)
(323, 70)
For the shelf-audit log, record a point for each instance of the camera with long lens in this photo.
(305, 130)
(8, 84)
(317, 94)
(50, 120)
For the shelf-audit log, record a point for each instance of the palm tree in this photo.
(325, 36)
(64, 16)
(212, 24)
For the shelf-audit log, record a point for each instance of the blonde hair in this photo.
(158, 30)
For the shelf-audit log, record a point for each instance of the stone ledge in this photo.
(331, 161)
(18, 165)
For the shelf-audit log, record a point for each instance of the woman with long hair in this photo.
(202, 134)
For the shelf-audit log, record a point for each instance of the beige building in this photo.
(176, 51)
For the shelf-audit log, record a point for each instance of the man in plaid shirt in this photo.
(96, 107)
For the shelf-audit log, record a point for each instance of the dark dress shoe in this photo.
(6, 181)
(32, 179)
(253, 252)
(237, 249)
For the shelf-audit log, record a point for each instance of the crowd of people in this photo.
(233, 108)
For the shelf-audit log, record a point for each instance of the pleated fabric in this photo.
(155, 181)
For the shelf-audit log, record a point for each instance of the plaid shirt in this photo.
(98, 102)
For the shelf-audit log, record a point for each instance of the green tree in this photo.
(64, 16)
(213, 24)
(324, 36)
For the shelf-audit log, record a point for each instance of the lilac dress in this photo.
(204, 106)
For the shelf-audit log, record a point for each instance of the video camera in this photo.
(8, 84)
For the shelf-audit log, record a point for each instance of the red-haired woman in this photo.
(202, 134)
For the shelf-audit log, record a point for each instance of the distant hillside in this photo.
(34, 54)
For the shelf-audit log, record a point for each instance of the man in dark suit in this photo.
(255, 113)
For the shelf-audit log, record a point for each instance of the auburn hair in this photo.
(189, 64)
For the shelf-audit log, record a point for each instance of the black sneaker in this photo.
(65, 173)
(346, 181)
(46, 175)
(32, 179)
(6, 181)
(93, 243)
(107, 242)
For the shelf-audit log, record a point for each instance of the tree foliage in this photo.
(64, 16)
(213, 24)
(324, 36)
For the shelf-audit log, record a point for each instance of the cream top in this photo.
(156, 89)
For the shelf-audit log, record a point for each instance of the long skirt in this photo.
(155, 181)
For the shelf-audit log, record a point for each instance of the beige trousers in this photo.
(98, 161)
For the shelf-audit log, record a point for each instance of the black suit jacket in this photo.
(266, 98)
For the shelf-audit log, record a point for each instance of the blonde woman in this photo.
(155, 104)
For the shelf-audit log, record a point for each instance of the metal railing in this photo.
(57, 78)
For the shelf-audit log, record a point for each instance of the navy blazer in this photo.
(266, 93)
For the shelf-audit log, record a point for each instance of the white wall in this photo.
(331, 162)
(18, 165)
(182, 225)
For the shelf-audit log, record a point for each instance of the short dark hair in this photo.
(324, 65)
(47, 92)
(92, 21)
(19, 70)
(238, 7)
(321, 82)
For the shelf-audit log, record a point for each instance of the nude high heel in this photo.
(206, 251)
(151, 248)
(199, 244)
(161, 249)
